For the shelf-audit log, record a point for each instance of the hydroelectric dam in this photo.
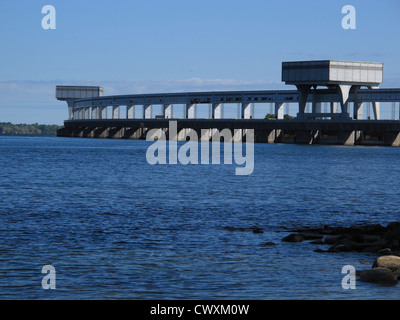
(331, 98)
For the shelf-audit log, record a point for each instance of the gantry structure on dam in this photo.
(345, 86)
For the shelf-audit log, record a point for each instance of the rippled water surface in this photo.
(115, 227)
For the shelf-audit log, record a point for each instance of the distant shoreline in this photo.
(7, 128)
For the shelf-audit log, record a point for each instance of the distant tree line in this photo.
(271, 116)
(33, 129)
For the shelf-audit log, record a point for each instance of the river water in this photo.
(115, 227)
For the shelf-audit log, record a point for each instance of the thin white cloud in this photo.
(43, 92)
(34, 101)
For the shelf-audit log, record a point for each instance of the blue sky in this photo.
(178, 45)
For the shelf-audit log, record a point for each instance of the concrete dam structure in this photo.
(330, 96)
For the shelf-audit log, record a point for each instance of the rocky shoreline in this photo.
(384, 241)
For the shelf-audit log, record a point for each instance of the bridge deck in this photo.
(262, 96)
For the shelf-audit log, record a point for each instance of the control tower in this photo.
(72, 93)
(341, 77)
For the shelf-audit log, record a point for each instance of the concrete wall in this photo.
(364, 72)
(78, 92)
(305, 71)
(327, 71)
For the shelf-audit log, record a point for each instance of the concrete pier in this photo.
(326, 132)
(333, 99)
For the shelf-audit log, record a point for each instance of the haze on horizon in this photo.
(165, 46)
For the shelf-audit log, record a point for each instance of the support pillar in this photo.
(346, 138)
(95, 112)
(190, 111)
(279, 110)
(76, 114)
(303, 96)
(115, 112)
(358, 110)
(217, 111)
(344, 99)
(376, 106)
(147, 111)
(377, 110)
(333, 107)
(70, 109)
(130, 112)
(247, 111)
(205, 135)
(237, 135)
(287, 111)
(167, 111)
(103, 112)
(316, 107)
(86, 113)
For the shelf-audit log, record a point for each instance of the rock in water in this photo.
(268, 244)
(294, 237)
(379, 275)
(389, 262)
